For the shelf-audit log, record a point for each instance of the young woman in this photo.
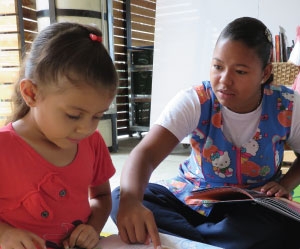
(238, 123)
(54, 165)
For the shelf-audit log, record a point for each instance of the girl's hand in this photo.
(275, 189)
(84, 236)
(13, 238)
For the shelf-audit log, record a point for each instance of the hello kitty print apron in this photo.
(214, 161)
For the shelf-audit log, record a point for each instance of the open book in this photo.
(167, 242)
(235, 194)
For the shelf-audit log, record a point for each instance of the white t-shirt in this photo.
(182, 114)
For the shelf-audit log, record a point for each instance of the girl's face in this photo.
(236, 76)
(65, 117)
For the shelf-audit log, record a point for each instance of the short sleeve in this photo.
(181, 115)
(103, 165)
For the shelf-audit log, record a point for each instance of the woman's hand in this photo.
(136, 224)
(13, 238)
(84, 236)
(275, 189)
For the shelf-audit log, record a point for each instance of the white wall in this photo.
(186, 31)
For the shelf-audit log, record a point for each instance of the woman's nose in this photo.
(226, 78)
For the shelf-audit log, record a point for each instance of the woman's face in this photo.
(236, 76)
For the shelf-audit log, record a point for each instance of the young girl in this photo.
(54, 165)
(238, 123)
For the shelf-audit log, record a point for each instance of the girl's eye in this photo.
(98, 117)
(73, 117)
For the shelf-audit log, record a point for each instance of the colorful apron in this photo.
(215, 161)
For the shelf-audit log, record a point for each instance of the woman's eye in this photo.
(241, 72)
(217, 67)
(73, 117)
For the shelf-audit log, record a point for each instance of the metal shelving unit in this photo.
(140, 61)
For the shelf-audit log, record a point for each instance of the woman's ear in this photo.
(267, 72)
(29, 92)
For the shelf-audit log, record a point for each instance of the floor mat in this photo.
(296, 194)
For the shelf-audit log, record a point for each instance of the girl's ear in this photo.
(29, 92)
(267, 72)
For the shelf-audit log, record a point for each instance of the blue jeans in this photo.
(242, 225)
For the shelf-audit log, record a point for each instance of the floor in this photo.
(167, 169)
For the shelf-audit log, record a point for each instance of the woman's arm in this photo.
(144, 158)
(292, 178)
(286, 184)
(134, 221)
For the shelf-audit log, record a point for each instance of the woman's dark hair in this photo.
(66, 50)
(254, 34)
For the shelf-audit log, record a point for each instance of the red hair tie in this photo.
(95, 37)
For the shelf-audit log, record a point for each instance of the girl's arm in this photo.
(100, 202)
(87, 235)
(11, 237)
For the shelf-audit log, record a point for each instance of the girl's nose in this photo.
(86, 128)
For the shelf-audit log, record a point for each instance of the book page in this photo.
(218, 194)
(282, 205)
(168, 242)
(234, 194)
(226, 194)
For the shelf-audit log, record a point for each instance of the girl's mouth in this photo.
(75, 141)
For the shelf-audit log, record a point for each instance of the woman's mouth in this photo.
(226, 94)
